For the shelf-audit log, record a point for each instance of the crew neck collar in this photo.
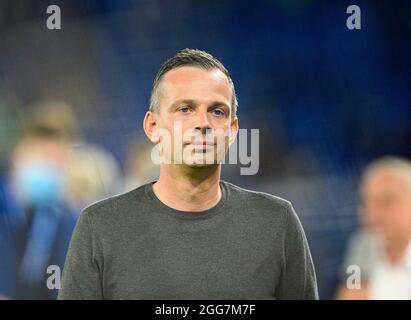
(188, 215)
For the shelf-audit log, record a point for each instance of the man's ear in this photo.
(150, 127)
(234, 129)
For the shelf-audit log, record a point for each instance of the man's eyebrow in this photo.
(219, 104)
(186, 101)
(194, 102)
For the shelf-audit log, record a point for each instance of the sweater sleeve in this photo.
(83, 266)
(298, 279)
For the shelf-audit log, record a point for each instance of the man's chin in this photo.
(200, 164)
(196, 161)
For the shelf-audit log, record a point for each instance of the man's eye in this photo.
(184, 109)
(218, 112)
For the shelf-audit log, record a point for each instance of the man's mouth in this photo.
(201, 146)
(202, 143)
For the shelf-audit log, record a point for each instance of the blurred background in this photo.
(327, 101)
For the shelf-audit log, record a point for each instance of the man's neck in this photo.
(189, 189)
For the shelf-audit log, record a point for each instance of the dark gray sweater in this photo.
(250, 245)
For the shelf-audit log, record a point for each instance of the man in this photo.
(381, 252)
(190, 235)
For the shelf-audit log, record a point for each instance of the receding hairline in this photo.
(167, 74)
(197, 67)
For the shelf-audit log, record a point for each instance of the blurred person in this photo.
(35, 222)
(52, 116)
(382, 248)
(139, 168)
(190, 235)
(93, 174)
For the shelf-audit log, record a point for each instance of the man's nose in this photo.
(202, 122)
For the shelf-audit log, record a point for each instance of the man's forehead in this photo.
(190, 75)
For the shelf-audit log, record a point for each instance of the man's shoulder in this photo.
(116, 204)
(257, 197)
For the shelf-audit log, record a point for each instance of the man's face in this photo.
(386, 204)
(195, 111)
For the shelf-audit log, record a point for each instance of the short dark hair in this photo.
(195, 58)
